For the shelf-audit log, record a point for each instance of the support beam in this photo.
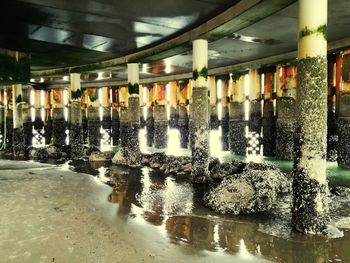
(200, 114)
(76, 140)
(310, 187)
(18, 135)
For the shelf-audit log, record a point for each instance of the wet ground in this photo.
(60, 213)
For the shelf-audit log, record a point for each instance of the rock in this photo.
(92, 149)
(38, 153)
(221, 170)
(340, 191)
(249, 192)
(120, 157)
(101, 156)
(53, 152)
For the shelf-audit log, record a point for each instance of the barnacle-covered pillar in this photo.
(2, 117)
(84, 106)
(237, 126)
(286, 115)
(183, 122)
(150, 118)
(124, 116)
(174, 113)
(269, 119)
(200, 114)
(48, 118)
(343, 109)
(38, 122)
(310, 187)
(214, 120)
(76, 128)
(225, 116)
(93, 116)
(18, 134)
(133, 144)
(26, 117)
(142, 106)
(58, 119)
(106, 111)
(160, 117)
(115, 117)
(9, 117)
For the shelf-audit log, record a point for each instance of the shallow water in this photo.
(169, 211)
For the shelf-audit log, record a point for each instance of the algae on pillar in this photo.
(225, 117)
(183, 121)
(237, 125)
(269, 119)
(133, 144)
(200, 112)
(18, 134)
(93, 118)
(160, 117)
(343, 110)
(76, 127)
(286, 115)
(59, 124)
(150, 117)
(310, 187)
(214, 120)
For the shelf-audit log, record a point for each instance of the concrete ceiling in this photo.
(61, 34)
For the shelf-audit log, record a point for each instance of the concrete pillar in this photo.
(150, 117)
(133, 144)
(59, 124)
(115, 117)
(332, 136)
(38, 122)
(343, 109)
(214, 120)
(183, 122)
(285, 123)
(26, 117)
(2, 117)
(84, 121)
(93, 118)
(174, 112)
(106, 109)
(237, 130)
(269, 118)
(48, 118)
(76, 140)
(18, 134)
(225, 117)
(160, 117)
(200, 114)
(142, 105)
(123, 115)
(9, 118)
(310, 187)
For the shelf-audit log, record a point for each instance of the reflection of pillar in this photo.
(115, 117)
(269, 120)
(58, 120)
(310, 186)
(48, 119)
(237, 139)
(9, 118)
(150, 118)
(133, 144)
(93, 116)
(84, 105)
(2, 116)
(200, 149)
(343, 109)
(76, 128)
(182, 91)
(332, 136)
(27, 120)
(18, 135)
(124, 121)
(285, 123)
(225, 118)
(160, 117)
(255, 120)
(174, 114)
(214, 120)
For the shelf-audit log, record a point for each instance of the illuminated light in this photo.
(65, 78)
(65, 113)
(167, 66)
(41, 80)
(144, 68)
(99, 75)
(65, 97)
(31, 100)
(262, 89)
(32, 80)
(246, 84)
(219, 109)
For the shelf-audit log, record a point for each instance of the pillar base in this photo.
(344, 142)
(285, 130)
(255, 120)
(9, 132)
(183, 127)
(332, 138)
(28, 133)
(269, 136)
(124, 134)
(306, 204)
(150, 130)
(237, 139)
(76, 141)
(133, 146)
(200, 155)
(48, 131)
(225, 124)
(160, 134)
(59, 132)
(174, 117)
(94, 136)
(18, 142)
